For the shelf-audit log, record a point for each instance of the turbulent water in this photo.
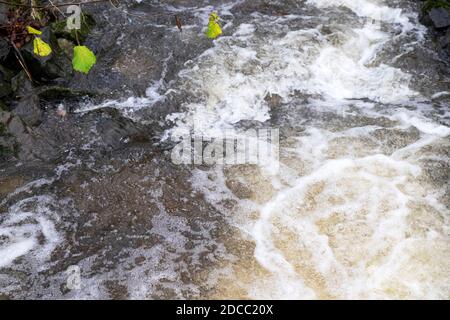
(356, 205)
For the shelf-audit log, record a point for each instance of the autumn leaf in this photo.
(83, 59)
(214, 29)
(41, 48)
(32, 30)
(178, 23)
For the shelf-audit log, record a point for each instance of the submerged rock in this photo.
(273, 100)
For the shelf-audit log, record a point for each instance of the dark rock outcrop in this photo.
(29, 109)
(435, 14)
(440, 17)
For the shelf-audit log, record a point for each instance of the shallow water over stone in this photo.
(358, 207)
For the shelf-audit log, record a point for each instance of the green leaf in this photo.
(83, 59)
(214, 29)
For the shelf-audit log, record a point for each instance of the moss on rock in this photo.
(430, 4)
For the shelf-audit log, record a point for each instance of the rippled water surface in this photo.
(359, 205)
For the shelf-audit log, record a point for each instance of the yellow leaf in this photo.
(32, 30)
(214, 29)
(214, 17)
(41, 48)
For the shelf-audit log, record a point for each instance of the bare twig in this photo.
(57, 8)
(21, 60)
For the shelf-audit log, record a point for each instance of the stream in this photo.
(355, 204)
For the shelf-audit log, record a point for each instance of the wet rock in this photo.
(239, 189)
(116, 290)
(134, 54)
(6, 73)
(240, 178)
(56, 92)
(445, 40)
(4, 49)
(16, 127)
(56, 65)
(273, 100)
(7, 142)
(9, 184)
(5, 88)
(440, 17)
(20, 84)
(5, 78)
(3, 12)
(4, 151)
(29, 109)
(22, 141)
(115, 132)
(66, 46)
(47, 135)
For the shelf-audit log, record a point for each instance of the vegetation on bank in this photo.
(31, 25)
(35, 40)
(40, 58)
(430, 4)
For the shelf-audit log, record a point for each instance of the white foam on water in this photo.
(234, 78)
(28, 230)
(337, 231)
(301, 231)
(154, 93)
(373, 9)
(14, 250)
(127, 106)
(423, 125)
(343, 73)
(341, 219)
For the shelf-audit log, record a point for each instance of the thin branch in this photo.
(21, 60)
(76, 37)
(57, 8)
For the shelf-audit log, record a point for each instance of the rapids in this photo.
(356, 204)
